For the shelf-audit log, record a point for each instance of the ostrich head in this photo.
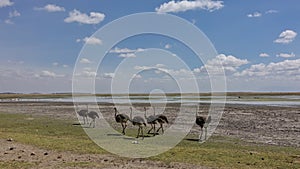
(115, 111)
(145, 112)
(197, 111)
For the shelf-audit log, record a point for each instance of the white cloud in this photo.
(109, 75)
(77, 16)
(51, 8)
(8, 21)
(143, 67)
(264, 55)
(286, 37)
(121, 50)
(254, 70)
(56, 64)
(127, 55)
(286, 55)
(259, 14)
(85, 61)
(271, 11)
(228, 63)
(87, 73)
(125, 50)
(4, 3)
(137, 76)
(92, 41)
(46, 73)
(13, 14)
(168, 46)
(179, 73)
(181, 6)
(286, 68)
(25, 78)
(254, 15)
(160, 65)
(87, 69)
(197, 70)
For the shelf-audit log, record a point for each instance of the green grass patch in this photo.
(231, 153)
(47, 132)
(16, 165)
(223, 152)
(83, 164)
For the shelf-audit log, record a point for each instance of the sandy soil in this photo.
(264, 124)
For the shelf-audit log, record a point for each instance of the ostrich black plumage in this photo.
(138, 121)
(122, 119)
(93, 115)
(152, 120)
(202, 122)
(161, 119)
(83, 113)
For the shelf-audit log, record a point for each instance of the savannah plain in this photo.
(43, 134)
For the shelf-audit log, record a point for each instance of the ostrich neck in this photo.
(115, 113)
(131, 114)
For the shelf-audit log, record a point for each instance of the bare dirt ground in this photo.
(264, 124)
(16, 152)
(258, 123)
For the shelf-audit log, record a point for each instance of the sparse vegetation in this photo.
(16, 165)
(44, 132)
(224, 152)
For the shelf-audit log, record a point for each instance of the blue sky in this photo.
(257, 42)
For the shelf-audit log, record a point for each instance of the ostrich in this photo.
(151, 120)
(93, 115)
(83, 114)
(203, 122)
(161, 119)
(138, 121)
(121, 118)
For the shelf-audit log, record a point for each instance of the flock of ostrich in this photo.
(141, 122)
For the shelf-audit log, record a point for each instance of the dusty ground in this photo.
(16, 152)
(264, 124)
